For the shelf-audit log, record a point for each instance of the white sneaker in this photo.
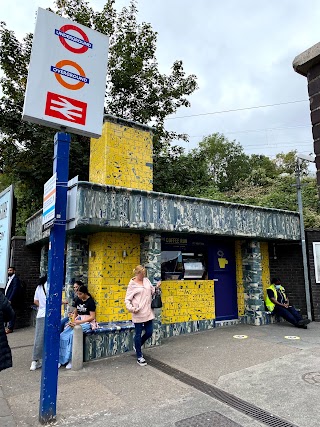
(35, 364)
(59, 365)
(142, 361)
(69, 365)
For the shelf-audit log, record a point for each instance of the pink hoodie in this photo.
(139, 296)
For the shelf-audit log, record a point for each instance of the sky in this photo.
(241, 53)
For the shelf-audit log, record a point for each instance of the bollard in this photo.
(77, 348)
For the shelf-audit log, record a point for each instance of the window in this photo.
(316, 256)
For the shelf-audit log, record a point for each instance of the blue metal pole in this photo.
(49, 377)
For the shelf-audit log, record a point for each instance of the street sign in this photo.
(6, 205)
(49, 201)
(67, 76)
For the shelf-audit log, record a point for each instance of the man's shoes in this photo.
(69, 366)
(35, 364)
(9, 331)
(142, 361)
(303, 322)
(302, 326)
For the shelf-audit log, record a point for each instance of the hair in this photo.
(79, 283)
(274, 280)
(139, 269)
(43, 280)
(84, 290)
(11, 266)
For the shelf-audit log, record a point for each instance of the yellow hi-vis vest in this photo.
(269, 304)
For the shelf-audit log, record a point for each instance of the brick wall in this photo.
(313, 236)
(286, 263)
(26, 260)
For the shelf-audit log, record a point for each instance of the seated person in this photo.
(76, 286)
(84, 315)
(278, 303)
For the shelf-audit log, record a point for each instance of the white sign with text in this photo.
(6, 205)
(49, 200)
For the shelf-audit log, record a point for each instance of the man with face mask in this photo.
(278, 303)
(12, 292)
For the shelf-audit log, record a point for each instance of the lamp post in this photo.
(301, 157)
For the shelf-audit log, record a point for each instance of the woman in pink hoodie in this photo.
(138, 302)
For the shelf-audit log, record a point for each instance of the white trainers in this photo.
(59, 365)
(69, 365)
(142, 361)
(35, 364)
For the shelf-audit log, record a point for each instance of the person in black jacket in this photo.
(12, 292)
(6, 314)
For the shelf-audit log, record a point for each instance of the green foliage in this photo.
(226, 162)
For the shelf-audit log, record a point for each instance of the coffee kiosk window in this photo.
(177, 265)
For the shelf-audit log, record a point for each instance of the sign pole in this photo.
(49, 376)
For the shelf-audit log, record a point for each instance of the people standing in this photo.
(138, 302)
(40, 300)
(6, 314)
(278, 303)
(12, 292)
(84, 315)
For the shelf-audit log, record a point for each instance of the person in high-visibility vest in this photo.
(278, 303)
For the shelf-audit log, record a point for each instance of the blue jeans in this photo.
(140, 340)
(290, 314)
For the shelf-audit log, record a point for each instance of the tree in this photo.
(226, 161)
(136, 90)
(177, 172)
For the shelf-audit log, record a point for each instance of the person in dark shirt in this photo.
(278, 303)
(6, 314)
(84, 315)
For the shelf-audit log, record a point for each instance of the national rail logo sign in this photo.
(67, 76)
(65, 108)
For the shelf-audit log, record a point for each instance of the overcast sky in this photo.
(241, 52)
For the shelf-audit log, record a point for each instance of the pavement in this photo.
(274, 367)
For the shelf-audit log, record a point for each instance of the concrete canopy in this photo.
(105, 208)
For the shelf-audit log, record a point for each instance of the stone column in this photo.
(308, 65)
(151, 258)
(44, 260)
(76, 263)
(252, 282)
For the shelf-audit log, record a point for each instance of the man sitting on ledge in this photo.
(278, 303)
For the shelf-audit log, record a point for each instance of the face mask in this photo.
(278, 286)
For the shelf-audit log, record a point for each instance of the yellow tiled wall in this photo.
(187, 300)
(239, 278)
(122, 156)
(109, 272)
(265, 274)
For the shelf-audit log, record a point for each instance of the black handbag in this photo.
(156, 300)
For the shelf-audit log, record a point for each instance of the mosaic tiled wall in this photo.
(265, 273)
(122, 155)
(151, 256)
(44, 260)
(239, 278)
(187, 301)
(252, 281)
(76, 263)
(109, 272)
